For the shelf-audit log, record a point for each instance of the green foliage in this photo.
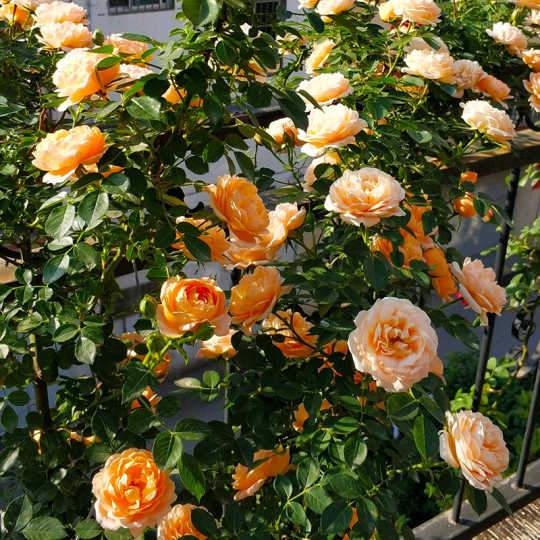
(367, 452)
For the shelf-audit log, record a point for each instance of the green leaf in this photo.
(108, 62)
(295, 513)
(140, 420)
(402, 407)
(425, 437)
(317, 499)
(65, 332)
(18, 514)
(19, 398)
(192, 476)
(315, 20)
(499, 497)
(204, 523)
(104, 426)
(307, 472)
(201, 12)
(121, 534)
(167, 449)
(85, 350)
(60, 220)
(355, 452)
(283, 486)
(31, 322)
(144, 108)
(55, 268)
(93, 207)
(377, 270)
(420, 136)
(197, 247)
(191, 429)
(9, 419)
(86, 254)
(477, 498)
(336, 518)
(116, 183)
(138, 378)
(87, 528)
(44, 528)
(211, 378)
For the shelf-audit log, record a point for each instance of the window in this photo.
(117, 7)
(266, 13)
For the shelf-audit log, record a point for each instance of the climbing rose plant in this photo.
(332, 219)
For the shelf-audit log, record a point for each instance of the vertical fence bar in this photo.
(487, 335)
(529, 430)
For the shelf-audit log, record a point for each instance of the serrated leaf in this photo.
(93, 208)
(88, 528)
(192, 476)
(201, 12)
(336, 518)
(85, 350)
(55, 268)
(60, 220)
(44, 528)
(167, 449)
(144, 108)
(307, 472)
(426, 437)
(317, 499)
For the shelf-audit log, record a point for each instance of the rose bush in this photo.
(114, 155)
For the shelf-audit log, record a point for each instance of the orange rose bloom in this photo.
(188, 303)
(473, 443)
(15, 14)
(212, 235)
(132, 340)
(494, 88)
(61, 152)
(65, 35)
(235, 200)
(218, 346)
(479, 288)
(365, 196)
(410, 248)
(301, 415)
(416, 226)
(469, 176)
(248, 481)
(395, 343)
(441, 276)
(175, 96)
(298, 342)
(255, 296)
(132, 492)
(464, 206)
(127, 47)
(319, 55)
(77, 78)
(59, 12)
(531, 57)
(282, 129)
(289, 214)
(177, 524)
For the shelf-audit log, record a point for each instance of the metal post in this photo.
(487, 336)
(524, 457)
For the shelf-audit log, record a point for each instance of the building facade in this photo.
(156, 18)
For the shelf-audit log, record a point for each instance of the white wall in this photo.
(155, 24)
